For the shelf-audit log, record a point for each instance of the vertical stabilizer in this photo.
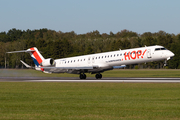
(36, 56)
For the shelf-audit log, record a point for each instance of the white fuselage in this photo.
(106, 61)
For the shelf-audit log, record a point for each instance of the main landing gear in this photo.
(83, 76)
(98, 76)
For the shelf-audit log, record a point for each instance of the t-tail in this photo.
(38, 59)
(36, 56)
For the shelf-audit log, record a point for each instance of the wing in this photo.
(73, 68)
(25, 64)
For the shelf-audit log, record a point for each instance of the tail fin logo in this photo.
(35, 56)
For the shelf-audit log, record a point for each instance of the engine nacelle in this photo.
(48, 62)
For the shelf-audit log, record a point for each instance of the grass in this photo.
(90, 101)
(76, 101)
(111, 73)
(143, 73)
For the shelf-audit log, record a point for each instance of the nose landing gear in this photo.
(165, 63)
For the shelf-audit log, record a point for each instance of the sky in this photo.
(83, 16)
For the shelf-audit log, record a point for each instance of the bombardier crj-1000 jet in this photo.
(97, 63)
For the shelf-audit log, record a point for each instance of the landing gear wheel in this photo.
(98, 76)
(82, 76)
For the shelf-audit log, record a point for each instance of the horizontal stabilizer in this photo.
(21, 51)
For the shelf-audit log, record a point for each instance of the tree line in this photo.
(59, 44)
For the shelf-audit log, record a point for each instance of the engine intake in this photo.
(48, 62)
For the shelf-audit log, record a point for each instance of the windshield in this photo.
(160, 49)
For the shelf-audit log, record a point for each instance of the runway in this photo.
(74, 79)
(112, 81)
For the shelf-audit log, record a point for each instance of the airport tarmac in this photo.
(76, 79)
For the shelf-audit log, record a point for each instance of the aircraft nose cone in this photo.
(171, 54)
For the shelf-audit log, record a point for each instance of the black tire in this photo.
(82, 76)
(98, 76)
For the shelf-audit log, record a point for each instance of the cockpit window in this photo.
(157, 49)
(160, 49)
(163, 49)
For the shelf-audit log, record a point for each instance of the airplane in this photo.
(99, 62)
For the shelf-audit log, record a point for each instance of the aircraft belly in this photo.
(100, 69)
(54, 70)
